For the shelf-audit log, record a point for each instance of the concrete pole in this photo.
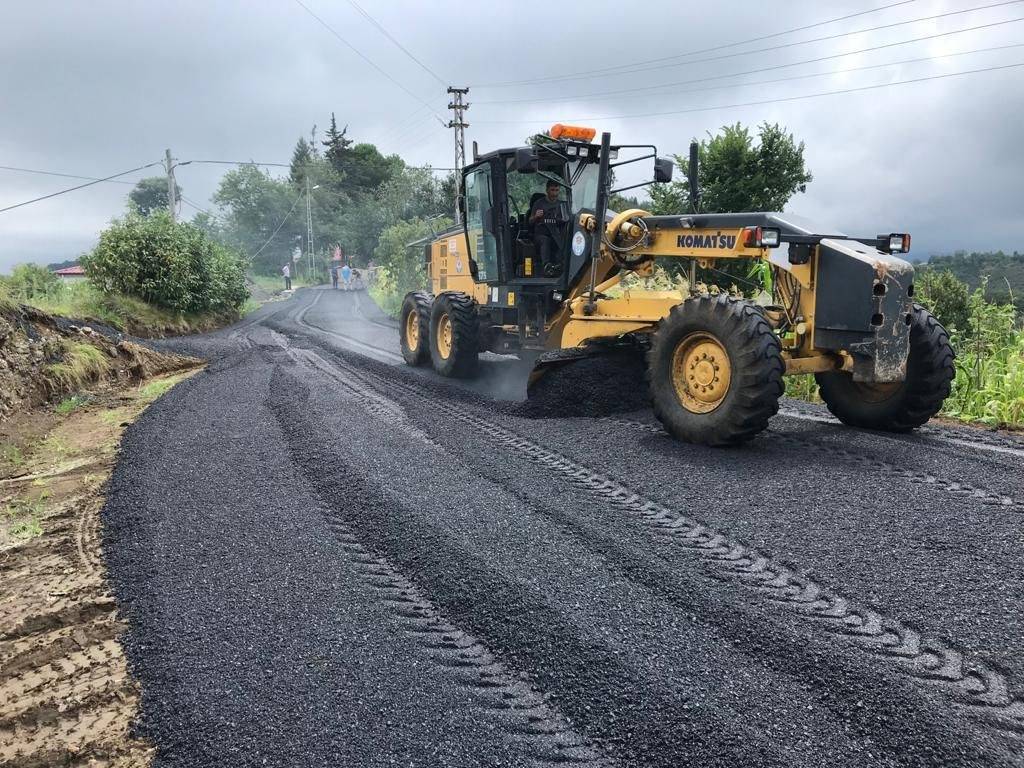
(172, 203)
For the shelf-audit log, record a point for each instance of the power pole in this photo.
(172, 203)
(459, 107)
(309, 227)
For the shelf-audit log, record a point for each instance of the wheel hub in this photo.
(701, 372)
(444, 336)
(412, 331)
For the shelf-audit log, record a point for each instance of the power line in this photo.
(80, 186)
(626, 69)
(401, 47)
(286, 217)
(765, 101)
(63, 175)
(359, 53)
(785, 66)
(195, 205)
(238, 162)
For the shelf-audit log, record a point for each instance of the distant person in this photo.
(334, 276)
(549, 216)
(286, 270)
(346, 276)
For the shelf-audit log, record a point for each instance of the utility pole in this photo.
(459, 107)
(309, 227)
(172, 203)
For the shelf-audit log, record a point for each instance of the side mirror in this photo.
(461, 203)
(527, 159)
(662, 170)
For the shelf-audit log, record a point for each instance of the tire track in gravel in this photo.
(546, 737)
(66, 696)
(518, 623)
(871, 464)
(977, 689)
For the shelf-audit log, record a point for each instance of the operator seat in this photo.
(530, 226)
(524, 241)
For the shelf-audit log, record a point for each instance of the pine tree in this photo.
(302, 157)
(337, 145)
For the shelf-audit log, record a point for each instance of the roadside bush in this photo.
(174, 266)
(31, 281)
(402, 268)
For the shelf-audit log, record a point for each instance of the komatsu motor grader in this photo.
(840, 308)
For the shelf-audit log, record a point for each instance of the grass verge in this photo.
(125, 313)
(47, 457)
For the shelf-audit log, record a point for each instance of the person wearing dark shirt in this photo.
(549, 217)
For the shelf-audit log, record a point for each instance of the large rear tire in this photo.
(454, 335)
(414, 327)
(901, 406)
(715, 369)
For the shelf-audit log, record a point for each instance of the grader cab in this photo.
(533, 270)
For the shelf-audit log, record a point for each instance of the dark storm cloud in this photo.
(93, 88)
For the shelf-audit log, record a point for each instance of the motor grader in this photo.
(837, 307)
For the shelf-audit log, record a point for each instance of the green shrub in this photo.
(31, 281)
(402, 269)
(172, 265)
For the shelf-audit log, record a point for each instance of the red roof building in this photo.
(70, 273)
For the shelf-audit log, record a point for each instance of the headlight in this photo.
(761, 237)
(899, 243)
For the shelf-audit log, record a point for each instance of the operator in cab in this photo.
(549, 217)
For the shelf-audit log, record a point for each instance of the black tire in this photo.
(464, 340)
(754, 382)
(415, 309)
(909, 404)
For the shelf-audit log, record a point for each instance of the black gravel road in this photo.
(327, 558)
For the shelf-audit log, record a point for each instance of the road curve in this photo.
(328, 558)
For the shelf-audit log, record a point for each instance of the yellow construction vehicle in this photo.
(533, 269)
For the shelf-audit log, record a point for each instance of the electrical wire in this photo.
(194, 205)
(401, 47)
(63, 175)
(638, 89)
(80, 186)
(777, 100)
(642, 66)
(269, 239)
(363, 56)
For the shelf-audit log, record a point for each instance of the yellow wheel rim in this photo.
(412, 330)
(701, 372)
(444, 336)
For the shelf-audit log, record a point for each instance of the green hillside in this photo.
(1005, 273)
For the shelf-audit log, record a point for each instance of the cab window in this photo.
(483, 243)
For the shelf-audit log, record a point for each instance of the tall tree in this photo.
(738, 174)
(150, 194)
(337, 145)
(302, 158)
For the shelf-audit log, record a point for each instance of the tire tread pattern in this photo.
(461, 308)
(419, 302)
(757, 369)
(930, 372)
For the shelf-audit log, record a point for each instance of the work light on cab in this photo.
(572, 132)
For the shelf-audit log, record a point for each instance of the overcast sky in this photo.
(94, 87)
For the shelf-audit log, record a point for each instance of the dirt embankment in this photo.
(67, 390)
(44, 357)
(66, 695)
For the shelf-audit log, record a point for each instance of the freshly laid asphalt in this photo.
(326, 558)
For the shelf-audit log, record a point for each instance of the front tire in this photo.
(454, 335)
(414, 327)
(901, 406)
(715, 368)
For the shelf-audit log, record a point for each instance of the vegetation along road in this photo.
(325, 558)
